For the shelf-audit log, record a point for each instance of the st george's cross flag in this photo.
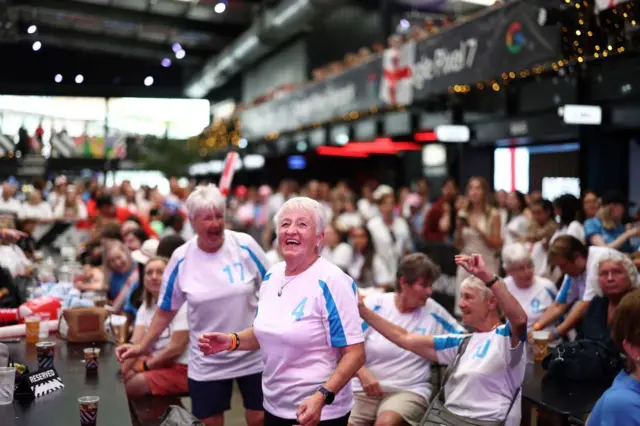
(397, 73)
(601, 5)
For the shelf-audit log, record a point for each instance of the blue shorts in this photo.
(212, 398)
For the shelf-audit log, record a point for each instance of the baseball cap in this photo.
(148, 249)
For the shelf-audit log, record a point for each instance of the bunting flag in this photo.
(601, 5)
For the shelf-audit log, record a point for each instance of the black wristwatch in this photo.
(492, 281)
(328, 395)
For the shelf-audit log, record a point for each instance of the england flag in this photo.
(397, 73)
(601, 5)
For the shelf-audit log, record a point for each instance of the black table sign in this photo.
(44, 382)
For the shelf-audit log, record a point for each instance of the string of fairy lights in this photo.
(586, 36)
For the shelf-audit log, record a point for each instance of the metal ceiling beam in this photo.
(136, 16)
(115, 45)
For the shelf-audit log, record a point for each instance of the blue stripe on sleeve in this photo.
(336, 331)
(448, 327)
(366, 326)
(354, 287)
(256, 260)
(550, 292)
(441, 343)
(266, 277)
(504, 330)
(168, 293)
(564, 290)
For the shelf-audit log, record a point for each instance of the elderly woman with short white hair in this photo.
(534, 293)
(307, 327)
(217, 273)
(488, 364)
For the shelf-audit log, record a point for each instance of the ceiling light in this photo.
(404, 23)
(176, 47)
(58, 78)
(36, 46)
(79, 78)
(148, 81)
(180, 54)
(220, 7)
(166, 62)
(32, 29)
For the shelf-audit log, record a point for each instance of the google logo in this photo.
(514, 38)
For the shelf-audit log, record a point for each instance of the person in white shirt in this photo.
(9, 204)
(567, 208)
(307, 327)
(516, 223)
(36, 208)
(391, 235)
(393, 387)
(367, 267)
(334, 250)
(534, 293)
(164, 371)
(580, 285)
(217, 274)
(489, 374)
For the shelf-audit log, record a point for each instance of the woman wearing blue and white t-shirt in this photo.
(307, 327)
(490, 372)
(217, 273)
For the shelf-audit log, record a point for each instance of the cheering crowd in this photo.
(268, 289)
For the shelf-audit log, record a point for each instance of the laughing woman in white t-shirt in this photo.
(216, 274)
(164, 371)
(307, 327)
(487, 380)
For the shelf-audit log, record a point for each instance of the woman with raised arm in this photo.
(307, 327)
(486, 379)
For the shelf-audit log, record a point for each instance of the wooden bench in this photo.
(148, 410)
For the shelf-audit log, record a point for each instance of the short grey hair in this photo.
(476, 283)
(515, 253)
(629, 267)
(205, 198)
(307, 204)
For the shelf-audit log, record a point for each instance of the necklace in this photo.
(282, 286)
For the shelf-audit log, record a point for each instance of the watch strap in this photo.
(492, 281)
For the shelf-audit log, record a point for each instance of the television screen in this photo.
(297, 162)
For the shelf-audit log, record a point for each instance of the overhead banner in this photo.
(356, 89)
(505, 39)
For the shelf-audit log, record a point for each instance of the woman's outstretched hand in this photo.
(212, 343)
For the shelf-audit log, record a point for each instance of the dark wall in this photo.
(605, 159)
(556, 164)
(476, 161)
(346, 29)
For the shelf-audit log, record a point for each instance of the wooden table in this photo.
(61, 408)
(561, 397)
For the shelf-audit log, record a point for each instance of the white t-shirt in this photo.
(349, 220)
(179, 323)
(488, 375)
(381, 274)
(517, 227)
(391, 252)
(301, 333)
(221, 290)
(38, 211)
(367, 209)
(396, 369)
(10, 206)
(575, 229)
(13, 259)
(341, 255)
(535, 299)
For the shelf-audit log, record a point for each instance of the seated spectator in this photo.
(36, 207)
(164, 371)
(367, 268)
(121, 274)
(617, 276)
(620, 404)
(567, 208)
(334, 250)
(607, 228)
(70, 206)
(393, 387)
(134, 239)
(141, 256)
(534, 293)
(485, 385)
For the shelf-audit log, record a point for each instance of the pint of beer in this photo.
(32, 325)
(541, 344)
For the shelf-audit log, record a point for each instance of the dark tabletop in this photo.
(561, 396)
(61, 408)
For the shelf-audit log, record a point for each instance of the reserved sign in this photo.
(44, 382)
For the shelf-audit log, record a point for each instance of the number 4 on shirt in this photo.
(298, 311)
(238, 268)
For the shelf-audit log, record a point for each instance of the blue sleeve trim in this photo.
(504, 330)
(564, 290)
(266, 277)
(168, 293)
(550, 293)
(354, 287)
(336, 331)
(366, 326)
(448, 327)
(441, 343)
(256, 260)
